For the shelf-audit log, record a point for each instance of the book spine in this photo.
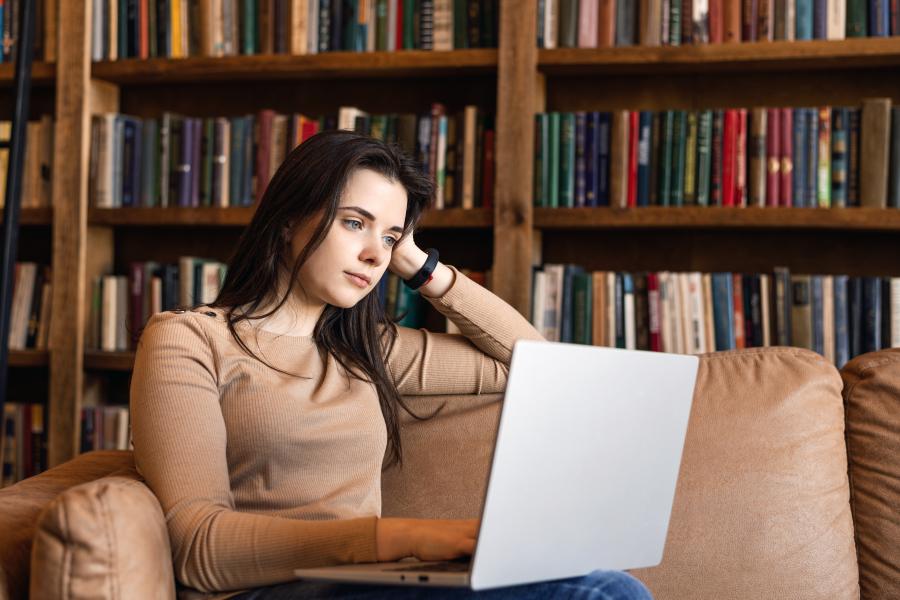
(773, 157)
(893, 199)
(839, 158)
(704, 156)
(786, 195)
(580, 157)
(645, 121)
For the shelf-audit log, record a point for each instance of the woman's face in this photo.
(357, 249)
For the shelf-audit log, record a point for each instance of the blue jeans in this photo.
(599, 585)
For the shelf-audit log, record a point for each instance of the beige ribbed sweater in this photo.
(259, 473)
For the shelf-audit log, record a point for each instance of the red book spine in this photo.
(787, 157)
(740, 159)
(738, 286)
(728, 157)
(632, 157)
(773, 156)
(653, 309)
(143, 28)
(716, 24)
(399, 40)
(487, 170)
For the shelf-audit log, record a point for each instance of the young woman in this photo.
(262, 421)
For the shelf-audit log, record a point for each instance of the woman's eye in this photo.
(353, 224)
(390, 241)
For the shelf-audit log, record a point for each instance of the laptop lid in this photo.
(587, 457)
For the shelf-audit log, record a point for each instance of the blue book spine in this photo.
(128, 154)
(799, 158)
(566, 329)
(248, 163)
(812, 157)
(118, 144)
(591, 157)
(567, 160)
(804, 15)
(620, 310)
(871, 314)
(723, 307)
(149, 156)
(855, 320)
(540, 23)
(841, 328)
(879, 17)
(820, 19)
(645, 120)
(603, 143)
(580, 158)
(817, 308)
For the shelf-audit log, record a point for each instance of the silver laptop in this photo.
(583, 472)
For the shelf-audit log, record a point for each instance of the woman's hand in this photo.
(425, 539)
(406, 258)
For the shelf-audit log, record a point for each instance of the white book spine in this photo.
(828, 317)
(108, 314)
(539, 301)
(837, 20)
(628, 313)
(895, 312)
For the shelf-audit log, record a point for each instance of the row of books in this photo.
(29, 322)
(825, 157)
(105, 428)
(596, 24)
(23, 442)
(45, 23)
(38, 167)
(122, 304)
(691, 313)
(184, 161)
(178, 28)
(405, 306)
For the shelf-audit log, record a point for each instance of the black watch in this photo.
(424, 274)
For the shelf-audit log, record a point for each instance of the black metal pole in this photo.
(24, 50)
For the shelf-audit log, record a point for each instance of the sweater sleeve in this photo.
(473, 362)
(180, 443)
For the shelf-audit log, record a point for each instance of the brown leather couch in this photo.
(789, 488)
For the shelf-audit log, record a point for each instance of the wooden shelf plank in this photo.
(867, 53)
(108, 361)
(873, 219)
(240, 216)
(28, 358)
(41, 73)
(282, 66)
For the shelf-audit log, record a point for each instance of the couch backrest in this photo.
(872, 405)
(762, 504)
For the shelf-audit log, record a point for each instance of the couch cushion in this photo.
(103, 539)
(21, 504)
(872, 405)
(762, 503)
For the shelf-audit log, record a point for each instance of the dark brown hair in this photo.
(310, 182)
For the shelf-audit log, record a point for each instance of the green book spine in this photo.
(250, 26)
(552, 197)
(675, 17)
(679, 142)
(704, 156)
(409, 24)
(540, 137)
(460, 15)
(665, 161)
(381, 25)
(151, 28)
(856, 18)
(567, 160)
(824, 167)
(582, 308)
(690, 160)
(208, 149)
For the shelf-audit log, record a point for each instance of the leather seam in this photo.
(67, 554)
(110, 543)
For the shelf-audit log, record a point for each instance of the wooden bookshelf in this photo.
(28, 358)
(868, 53)
(35, 216)
(327, 65)
(653, 217)
(514, 81)
(108, 361)
(240, 216)
(41, 73)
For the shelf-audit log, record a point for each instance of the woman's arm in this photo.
(180, 449)
(476, 361)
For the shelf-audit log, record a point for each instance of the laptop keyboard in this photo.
(441, 567)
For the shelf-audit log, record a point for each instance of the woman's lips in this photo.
(357, 280)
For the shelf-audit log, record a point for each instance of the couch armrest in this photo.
(106, 538)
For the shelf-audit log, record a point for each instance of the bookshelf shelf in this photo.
(238, 217)
(28, 358)
(36, 216)
(866, 219)
(108, 361)
(327, 65)
(41, 73)
(870, 53)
